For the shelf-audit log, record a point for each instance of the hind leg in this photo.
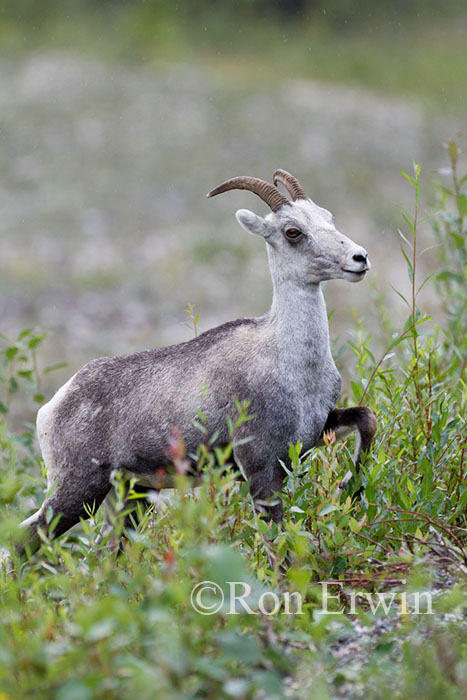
(71, 501)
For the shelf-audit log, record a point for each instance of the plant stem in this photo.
(414, 289)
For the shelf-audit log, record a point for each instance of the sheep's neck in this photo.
(298, 317)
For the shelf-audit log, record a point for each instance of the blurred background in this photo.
(116, 117)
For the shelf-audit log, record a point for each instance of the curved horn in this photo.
(291, 183)
(263, 189)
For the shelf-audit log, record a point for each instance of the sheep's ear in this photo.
(252, 223)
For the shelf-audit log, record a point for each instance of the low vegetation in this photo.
(78, 622)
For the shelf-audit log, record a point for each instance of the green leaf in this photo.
(409, 265)
(338, 567)
(427, 279)
(27, 374)
(262, 526)
(357, 390)
(26, 332)
(242, 441)
(430, 247)
(461, 202)
(410, 224)
(407, 177)
(370, 494)
(404, 238)
(448, 275)
(462, 503)
(201, 416)
(400, 295)
(11, 352)
(239, 647)
(52, 368)
(34, 342)
(328, 508)
(74, 689)
(296, 509)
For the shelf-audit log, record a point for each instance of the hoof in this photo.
(6, 562)
(345, 480)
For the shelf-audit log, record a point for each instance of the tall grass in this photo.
(78, 624)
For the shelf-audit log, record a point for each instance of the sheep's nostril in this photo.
(358, 257)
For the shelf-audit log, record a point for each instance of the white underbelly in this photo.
(44, 422)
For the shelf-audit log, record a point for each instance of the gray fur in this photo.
(118, 412)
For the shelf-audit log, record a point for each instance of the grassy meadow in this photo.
(114, 125)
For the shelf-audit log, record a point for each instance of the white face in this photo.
(305, 245)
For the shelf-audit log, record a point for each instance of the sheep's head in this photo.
(304, 244)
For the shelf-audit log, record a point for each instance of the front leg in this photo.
(265, 481)
(264, 486)
(343, 421)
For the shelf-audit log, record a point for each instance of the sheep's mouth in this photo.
(357, 273)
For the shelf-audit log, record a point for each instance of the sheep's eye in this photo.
(293, 233)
